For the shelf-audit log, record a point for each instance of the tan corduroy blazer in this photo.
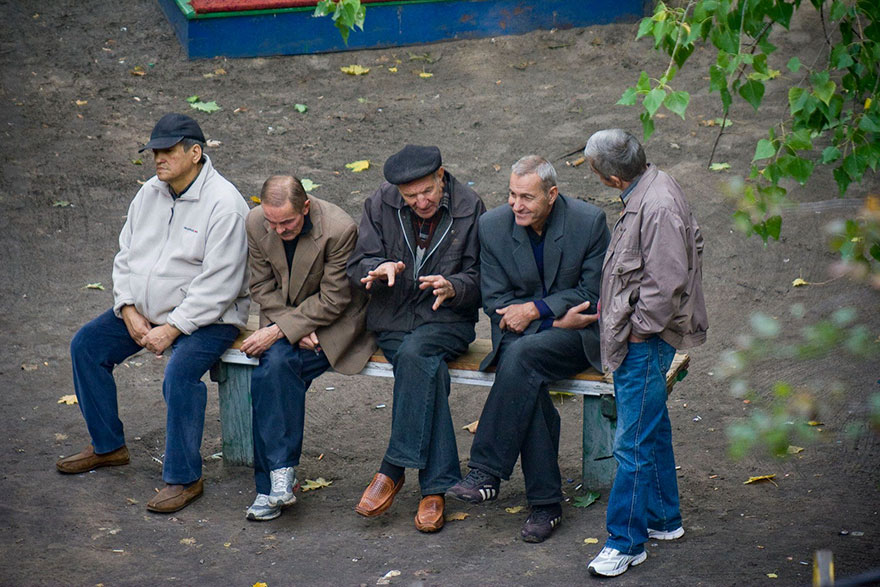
(315, 295)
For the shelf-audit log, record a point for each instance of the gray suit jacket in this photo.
(574, 247)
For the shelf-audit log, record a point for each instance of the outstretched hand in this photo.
(443, 289)
(387, 271)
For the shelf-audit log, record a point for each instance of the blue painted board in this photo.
(295, 31)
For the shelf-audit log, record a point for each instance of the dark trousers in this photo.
(519, 419)
(422, 434)
(278, 392)
(104, 343)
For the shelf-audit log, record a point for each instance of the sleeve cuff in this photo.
(543, 309)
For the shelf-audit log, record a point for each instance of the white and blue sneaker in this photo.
(283, 485)
(666, 535)
(261, 510)
(611, 562)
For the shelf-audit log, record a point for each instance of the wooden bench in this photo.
(233, 374)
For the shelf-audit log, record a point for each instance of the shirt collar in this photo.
(625, 193)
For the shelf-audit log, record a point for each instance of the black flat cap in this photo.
(411, 163)
(171, 129)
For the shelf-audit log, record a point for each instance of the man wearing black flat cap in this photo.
(417, 255)
(179, 288)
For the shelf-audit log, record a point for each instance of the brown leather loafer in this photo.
(378, 495)
(429, 518)
(175, 497)
(87, 460)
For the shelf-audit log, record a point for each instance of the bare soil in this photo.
(72, 119)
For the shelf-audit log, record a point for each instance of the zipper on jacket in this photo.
(161, 250)
(418, 267)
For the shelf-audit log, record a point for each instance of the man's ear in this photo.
(196, 153)
(552, 193)
(305, 207)
(616, 182)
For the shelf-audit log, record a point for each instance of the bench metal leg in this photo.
(600, 423)
(234, 382)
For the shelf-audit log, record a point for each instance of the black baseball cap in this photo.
(171, 129)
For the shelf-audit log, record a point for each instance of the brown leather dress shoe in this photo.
(430, 515)
(87, 460)
(175, 497)
(378, 495)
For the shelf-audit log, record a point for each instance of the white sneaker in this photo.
(261, 510)
(670, 535)
(610, 562)
(283, 484)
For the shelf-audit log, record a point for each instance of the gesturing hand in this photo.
(384, 272)
(443, 289)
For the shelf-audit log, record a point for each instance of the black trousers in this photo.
(519, 419)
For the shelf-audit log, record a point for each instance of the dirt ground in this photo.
(72, 119)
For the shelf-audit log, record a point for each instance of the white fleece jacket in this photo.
(184, 262)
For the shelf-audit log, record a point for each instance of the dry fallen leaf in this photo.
(358, 166)
(94, 286)
(772, 575)
(392, 69)
(29, 367)
(456, 517)
(82, 102)
(227, 544)
(799, 282)
(138, 71)
(261, 584)
(386, 578)
(472, 427)
(514, 510)
(213, 143)
(496, 167)
(425, 75)
(131, 501)
(814, 423)
(67, 399)
(761, 478)
(591, 541)
(188, 541)
(256, 199)
(60, 437)
(793, 450)
(355, 70)
(318, 483)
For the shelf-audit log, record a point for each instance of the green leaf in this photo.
(677, 102)
(840, 57)
(192, 99)
(647, 125)
(585, 500)
(644, 83)
(653, 100)
(800, 169)
(752, 92)
(823, 87)
(207, 107)
(61, 204)
(868, 124)
(774, 226)
(308, 184)
(797, 99)
(717, 79)
(719, 166)
(843, 179)
(645, 27)
(764, 150)
(628, 98)
(830, 154)
(838, 10)
(301, 108)
(799, 140)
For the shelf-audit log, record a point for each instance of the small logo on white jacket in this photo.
(191, 229)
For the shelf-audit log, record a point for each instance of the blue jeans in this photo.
(645, 491)
(519, 419)
(422, 435)
(278, 392)
(104, 343)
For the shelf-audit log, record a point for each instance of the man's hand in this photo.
(517, 317)
(137, 325)
(384, 272)
(575, 319)
(158, 339)
(310, 342)
(258, 342)
(442, 287)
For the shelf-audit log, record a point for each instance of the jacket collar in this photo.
(552, 249)
(307, 251)
(637, 195)
(194, 191)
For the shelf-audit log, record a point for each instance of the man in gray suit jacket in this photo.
(541, 263)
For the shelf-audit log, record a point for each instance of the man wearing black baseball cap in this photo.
(179, 289)
(417, 255)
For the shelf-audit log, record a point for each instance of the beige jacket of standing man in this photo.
(315, 294)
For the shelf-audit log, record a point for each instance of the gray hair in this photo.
(616, 152)
(280, 189)
(188, 144)
(538, 165)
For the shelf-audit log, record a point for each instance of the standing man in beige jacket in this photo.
(651, 303)
(310, 319)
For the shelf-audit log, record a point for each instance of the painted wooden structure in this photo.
(293, 30)
(234, 370)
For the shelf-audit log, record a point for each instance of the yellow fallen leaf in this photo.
(456, 517)
(68, 399)
(425, 75)
(261, 584)
(227, 544)
(472, 427)
(392, 69)
(761, 478)
(355, 70)
(256, 199)
(799, 282)
(772, 575)
(358, 166)
(82, 102)
(138, 71)
(814, 423)
(793, 450)
(131, 501)
(188, 541)
(514, 510)
(867, 103)
(591, 541)
(318, 483)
